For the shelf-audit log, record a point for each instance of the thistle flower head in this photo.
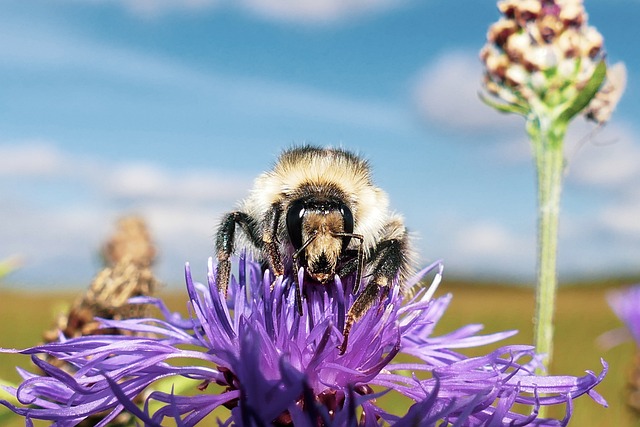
(255, 355)
(542, 58)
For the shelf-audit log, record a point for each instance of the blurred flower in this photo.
(255, 355)
(130, 242)
(129, 255)
(626, 305)
(543, 58)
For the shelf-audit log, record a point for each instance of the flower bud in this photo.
(545, 54)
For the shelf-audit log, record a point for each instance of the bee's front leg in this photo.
(270, 239)
(225, 243)
(390, 261)
(363, 302)
(272, 250)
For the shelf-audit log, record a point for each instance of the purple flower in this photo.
(626, 305)
(255, 355)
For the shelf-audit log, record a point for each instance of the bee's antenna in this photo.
(297, 253)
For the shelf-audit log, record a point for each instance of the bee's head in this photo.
(317, 229)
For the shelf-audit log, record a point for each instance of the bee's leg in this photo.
(225, 239)
(272, 250)
(270, 240)
(360, 306)
(389, 260)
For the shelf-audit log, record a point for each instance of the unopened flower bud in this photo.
(545, 53)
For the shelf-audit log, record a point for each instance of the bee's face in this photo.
(316, 229)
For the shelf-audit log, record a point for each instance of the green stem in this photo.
(547, 139)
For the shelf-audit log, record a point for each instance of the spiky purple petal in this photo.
(275, 366)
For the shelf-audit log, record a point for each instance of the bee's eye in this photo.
(294, 223)
(347, 218)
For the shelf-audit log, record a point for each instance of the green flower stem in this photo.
(547, 139)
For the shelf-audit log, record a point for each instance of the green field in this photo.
(581, 317)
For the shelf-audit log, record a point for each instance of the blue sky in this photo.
(170, 108)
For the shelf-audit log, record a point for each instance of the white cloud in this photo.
(144, 181)
(607, 157)
(300, 11)
(623, 219)
(58, 246)
(446, 93)
(313, 11)
(482, 246)
(60, 229)
(31, 158)
(153, 8)
(609, 163)
(608, 160)
(488, 241)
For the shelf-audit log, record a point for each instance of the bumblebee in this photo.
(319, 209)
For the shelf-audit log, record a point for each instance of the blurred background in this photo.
(170, 108)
